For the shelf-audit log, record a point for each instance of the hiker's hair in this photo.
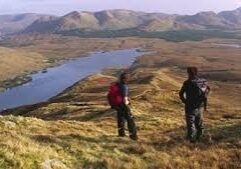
(123, 76)
(192, 71)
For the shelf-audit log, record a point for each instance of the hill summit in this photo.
(127, 19)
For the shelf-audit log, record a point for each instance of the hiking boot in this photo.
(199, 138)
(193, 141)
(134, 137)
(199, 135)
(121, 135)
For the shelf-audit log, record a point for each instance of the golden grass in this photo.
(14, 62)
(78, 130)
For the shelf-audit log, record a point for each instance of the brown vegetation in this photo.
(78, 130)
(23, 54)
(15, 62)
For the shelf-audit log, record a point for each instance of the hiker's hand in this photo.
(126, 101)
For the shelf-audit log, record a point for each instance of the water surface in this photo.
(50, 83)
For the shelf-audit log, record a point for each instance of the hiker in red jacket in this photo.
(118, 100)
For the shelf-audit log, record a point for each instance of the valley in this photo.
(48, 51)
(76, 129)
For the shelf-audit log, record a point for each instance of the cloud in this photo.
(239, 2)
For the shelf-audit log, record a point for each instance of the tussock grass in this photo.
(77, 130)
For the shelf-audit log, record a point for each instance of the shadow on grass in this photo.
(229, 135)
(97, 115)
(79, 115)
(224, 137)
(220, 135)
(50, 139)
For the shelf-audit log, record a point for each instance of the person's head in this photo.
(124, 77)
(192, 72)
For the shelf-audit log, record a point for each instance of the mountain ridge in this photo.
(11, 24)
(127, 19)
(120, 19)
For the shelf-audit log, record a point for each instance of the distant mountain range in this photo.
(10, 24)
(112, 20)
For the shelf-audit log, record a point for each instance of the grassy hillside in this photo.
(17, 63)
(78, 130)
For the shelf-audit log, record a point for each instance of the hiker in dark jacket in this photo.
(122, 108)
(194, 95)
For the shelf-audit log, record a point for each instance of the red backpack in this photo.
(114, 95)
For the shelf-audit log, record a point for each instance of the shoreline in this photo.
(57, 49)
(26, 108)
(52, 99)
(25, 77)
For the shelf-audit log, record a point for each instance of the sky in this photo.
(61, 7)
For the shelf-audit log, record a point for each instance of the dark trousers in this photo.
(124, 114)
(194, 120)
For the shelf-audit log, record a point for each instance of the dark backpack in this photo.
(200, 91)
(114, 95)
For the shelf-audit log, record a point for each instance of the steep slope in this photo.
(157, 22)
(16, 23)
(79, 130)
(48, 24)
(157, 25)
(84, 20)
(126, 19)
(232, 16)
(103, 20)
(73, 20)
(80, 20)
(207, 20)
